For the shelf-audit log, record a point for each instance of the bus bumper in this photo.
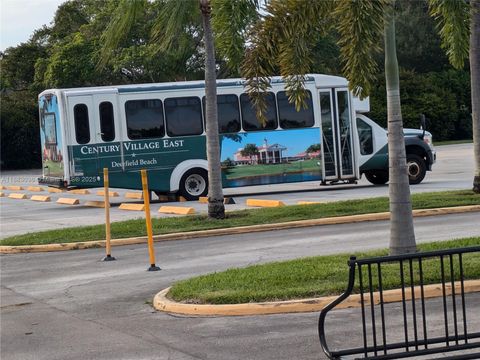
(51, 181)
(432, 158)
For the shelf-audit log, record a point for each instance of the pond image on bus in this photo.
(161, 128)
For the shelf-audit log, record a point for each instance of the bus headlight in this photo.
(428, 140)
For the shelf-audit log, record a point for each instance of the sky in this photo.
(19, 18)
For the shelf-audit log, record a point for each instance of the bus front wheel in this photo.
(194, 184)
(416, 169)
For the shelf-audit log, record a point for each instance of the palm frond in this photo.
(125, 15)
(452, 18)
(284, 40)
(175, 19)
(231, 21)
(301, 25)
(360, 24)
(257, 67)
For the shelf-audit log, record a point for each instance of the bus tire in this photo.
(377, 177)
(194, 184)
(416, 169)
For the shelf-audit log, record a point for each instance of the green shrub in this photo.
(20, 134)
(444, 98)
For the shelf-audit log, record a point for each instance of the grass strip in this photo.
(132, 228)
(312, 277)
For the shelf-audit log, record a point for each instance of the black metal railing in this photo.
(450, 331)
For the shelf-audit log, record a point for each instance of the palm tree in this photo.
(313, 148)
(250, 150)
(216, 207)
(287, 33)
(461, 41)
(475, 84)
(402, 235)
(174, 18)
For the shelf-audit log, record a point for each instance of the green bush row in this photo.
(20, 133)
(444, 98)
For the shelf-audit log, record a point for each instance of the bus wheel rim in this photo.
(195, 184)
(413, 169)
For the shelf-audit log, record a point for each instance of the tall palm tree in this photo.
(284, 40)
(402, 235)
(461, 41)
(216, 207)
(174, 18)
(475, 84)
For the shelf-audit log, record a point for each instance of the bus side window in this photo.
(82, 127)
(290, 118)
(249, 117)
(107, 124)
(144, 119)
(184, 116)
(365, 137)
(228, 113)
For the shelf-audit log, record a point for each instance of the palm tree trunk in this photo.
(475, 84)
(402, 236)
(216, 207)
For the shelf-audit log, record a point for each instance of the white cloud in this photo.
(19, 18)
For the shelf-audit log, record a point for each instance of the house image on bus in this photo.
(267, 154)
(307, 155)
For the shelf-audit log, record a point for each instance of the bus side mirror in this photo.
(422, 124)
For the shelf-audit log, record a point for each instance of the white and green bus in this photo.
(161, 128)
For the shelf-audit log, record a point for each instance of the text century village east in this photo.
(131, 146)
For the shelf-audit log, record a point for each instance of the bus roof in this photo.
(320, 81)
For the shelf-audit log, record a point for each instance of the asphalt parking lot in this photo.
(71, 305)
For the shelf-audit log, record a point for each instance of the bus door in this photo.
(82, 157)
(337, 141)
(108, 132)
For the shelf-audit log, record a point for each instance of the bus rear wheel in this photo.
(194, 184)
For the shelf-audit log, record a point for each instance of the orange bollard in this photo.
(108, 247)
(148, 220)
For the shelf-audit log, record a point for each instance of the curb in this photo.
(232, 231)
(162, 303)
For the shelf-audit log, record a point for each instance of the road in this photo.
(453, 170)
(70, 305)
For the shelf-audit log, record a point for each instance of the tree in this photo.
(418, 42)
(175, 19)
(250, 150)
(475, 84)
(313, 148)
(461, 40)
(228, 163)
(20, 140)
(18, 65)
(402, 235)
(71, 64)
(216, 207)
(444, 98)
(288, 32)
